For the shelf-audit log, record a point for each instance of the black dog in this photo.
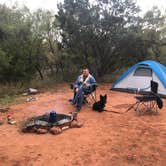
(99, 105)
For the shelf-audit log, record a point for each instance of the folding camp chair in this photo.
(90, 98)
(150, 102)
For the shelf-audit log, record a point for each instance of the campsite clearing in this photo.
(105, 139)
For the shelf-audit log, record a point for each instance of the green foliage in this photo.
(106, 36)
(15, 33)
(26, 40)
(110, 34)
(94, 32)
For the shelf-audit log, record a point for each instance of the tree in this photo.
(15, 32)
(153, 35)
(93, 32)
(26, 41)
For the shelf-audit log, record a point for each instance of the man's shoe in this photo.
(70, 100)
(78, 109)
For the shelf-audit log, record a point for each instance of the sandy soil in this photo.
(106, 139)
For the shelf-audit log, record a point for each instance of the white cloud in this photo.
(34, 4)
(146, 5)
(52, 4)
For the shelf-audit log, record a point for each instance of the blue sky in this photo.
(51, 4)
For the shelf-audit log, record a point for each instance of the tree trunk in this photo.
(40, 73)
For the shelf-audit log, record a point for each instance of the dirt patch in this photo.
(105, 139)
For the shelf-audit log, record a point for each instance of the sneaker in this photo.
(70, 100)
(78, 109)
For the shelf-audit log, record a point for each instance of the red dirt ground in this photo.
(106, 139)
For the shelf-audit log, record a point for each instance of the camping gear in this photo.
(150, 102)
(137, 78)
(31, 99)
(52, 117)
(32, 91)
(10, 120)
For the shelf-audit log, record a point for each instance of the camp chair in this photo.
(150, 102)
(90, 98)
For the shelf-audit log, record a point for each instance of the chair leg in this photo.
(95, 95)
(156, 108)
(147, 106)
(136, 106)
(92, 99)
(140, 111)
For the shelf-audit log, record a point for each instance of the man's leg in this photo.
(73, 100)
(79, 99)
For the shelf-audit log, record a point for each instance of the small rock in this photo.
(55, 130)
(41, 131)
(75, 124)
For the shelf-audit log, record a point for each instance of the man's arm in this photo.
(91, 82)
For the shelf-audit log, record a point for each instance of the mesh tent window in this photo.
(143, 72)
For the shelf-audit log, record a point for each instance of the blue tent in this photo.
(138, 77)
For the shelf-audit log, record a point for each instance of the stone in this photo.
(55, 130)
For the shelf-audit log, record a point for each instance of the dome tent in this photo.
(138, 77)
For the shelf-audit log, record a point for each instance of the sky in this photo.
(52, 4)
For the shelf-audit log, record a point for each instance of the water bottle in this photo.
(52, 118)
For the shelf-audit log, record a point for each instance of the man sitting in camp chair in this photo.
(84, 85)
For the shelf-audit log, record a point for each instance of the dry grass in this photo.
(12, 94)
